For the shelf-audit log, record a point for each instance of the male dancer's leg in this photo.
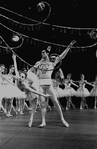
(43, 105)
(53, 97)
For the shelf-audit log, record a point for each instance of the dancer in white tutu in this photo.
(9, 101)
(83, 92)
(70, 91)
(57, 82)
(44, 71)
(2, 69)
(93, 92)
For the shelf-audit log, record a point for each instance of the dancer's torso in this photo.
(44, 72)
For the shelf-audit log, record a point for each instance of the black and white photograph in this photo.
(48, 74)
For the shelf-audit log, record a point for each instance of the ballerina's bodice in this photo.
(67, 83)
(82, 84)
(95, 84)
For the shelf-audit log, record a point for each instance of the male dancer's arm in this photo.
(64, 53)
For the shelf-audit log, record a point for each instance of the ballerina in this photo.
(93, 92)
(9, 101)
(2, 69)
(70, 91)
(83, 92)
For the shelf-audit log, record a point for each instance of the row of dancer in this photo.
(69, 91)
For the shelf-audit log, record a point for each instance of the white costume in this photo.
(94, 90)
(68, 89)
(82, 91)
(59, 91)
(9, 90)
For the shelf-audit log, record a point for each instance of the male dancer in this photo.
(44, 71)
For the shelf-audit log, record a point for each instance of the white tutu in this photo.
(82, 92)
(59, 92)
(2, 91)
(67, 92)
(10, 91)
(72, 91)
(93, 92)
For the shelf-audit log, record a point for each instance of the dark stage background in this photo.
(73, 14)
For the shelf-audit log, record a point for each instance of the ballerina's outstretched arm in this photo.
(74, 84)
(89, 83)
(64, 53)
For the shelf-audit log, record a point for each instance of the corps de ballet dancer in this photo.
(44, 71)
(83, 92)
(57, 82)
(59, 91)
(93, 92)
(9, 102)
(2, 69)
(10, 91)
(70, 91)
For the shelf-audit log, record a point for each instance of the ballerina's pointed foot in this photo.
(30, 123)
(42, 125)
(21, 113)
(65, 123)
(9, 115)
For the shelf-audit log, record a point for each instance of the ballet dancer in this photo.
(70, 91)
(83, 92)
(93, 92)
(2, 102)
(44, 71)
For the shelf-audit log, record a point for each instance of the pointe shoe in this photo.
(36, 111)
(30, 123)
(81, 108)
(5, 111)
(73, 107)
(16, 112)
(8, 115)
(95, 107)
(21, 113)
(67, 108)
(65, 123)
(86, 106)
(42, 125)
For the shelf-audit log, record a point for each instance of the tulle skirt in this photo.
(10, 91)
(82, 92)
(65, 92)
(93, 92)
(72, 92)
(69, 91)
(59, 92)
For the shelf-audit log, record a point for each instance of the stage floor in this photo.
(82, 133)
